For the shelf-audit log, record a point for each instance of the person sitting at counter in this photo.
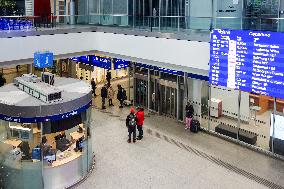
(62, 143)
(46, 148)
(25, 148)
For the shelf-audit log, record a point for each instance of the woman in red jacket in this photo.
(140, 122)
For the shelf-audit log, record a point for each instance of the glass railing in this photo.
(170, 24)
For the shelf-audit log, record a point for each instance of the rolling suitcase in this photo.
(195, 126)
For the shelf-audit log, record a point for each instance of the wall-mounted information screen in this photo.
(251, 61)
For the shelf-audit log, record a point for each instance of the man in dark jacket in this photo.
(131, 122)
(108, 78)
(120, 95)
(94, 86)
(104, 96)
(2, 80)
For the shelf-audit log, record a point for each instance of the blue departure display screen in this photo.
(251, 61)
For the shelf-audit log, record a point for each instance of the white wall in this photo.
(178, 52)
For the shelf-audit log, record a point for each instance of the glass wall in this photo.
(44, 153)
(20, 157)
(247, 117)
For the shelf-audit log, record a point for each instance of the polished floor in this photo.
(170, 157)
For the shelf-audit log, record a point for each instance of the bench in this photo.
(244, 136)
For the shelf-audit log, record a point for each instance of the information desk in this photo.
(64, 170)
(41, 147)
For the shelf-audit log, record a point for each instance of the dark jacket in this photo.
(189, 111)
(120, 94)
(104, 92)
(94, 85)
(128, 119)
(2, 81)
(108, 76)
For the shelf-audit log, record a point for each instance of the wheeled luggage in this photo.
(195, 126)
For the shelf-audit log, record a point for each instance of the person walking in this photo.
(108, 77)
(110, 95)
(140, 122)
(120, 96)
(131, 122)
(2, 80)
(189, 111)
(94, 86)
(104, 96)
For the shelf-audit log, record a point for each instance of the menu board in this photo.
(251, 61)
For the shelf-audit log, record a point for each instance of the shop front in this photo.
(97, 67)
(45, 141)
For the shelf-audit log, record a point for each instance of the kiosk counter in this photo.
(45, 133)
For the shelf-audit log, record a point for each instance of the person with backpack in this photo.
(131, 122)
(140, 122)
(189, 111)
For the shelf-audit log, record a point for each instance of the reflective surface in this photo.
(31, 157)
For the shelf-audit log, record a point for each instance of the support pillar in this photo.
(30, 68)
(129, 82)
(160, 96)
(185, 97)
(149, 90)
(72, 12)
(178, 97)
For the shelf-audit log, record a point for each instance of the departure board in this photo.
(251, 61)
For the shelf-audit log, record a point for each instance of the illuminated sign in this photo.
(246, 60)
(43, 59)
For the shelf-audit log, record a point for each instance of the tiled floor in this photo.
(156, 163)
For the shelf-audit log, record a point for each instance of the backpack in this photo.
(132, 121)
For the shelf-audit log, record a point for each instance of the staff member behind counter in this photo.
(62, 144)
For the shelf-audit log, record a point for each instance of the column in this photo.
(72, 69)
(72, 12)
(178, 96)
(160, 96)
(134, 86)
(185, 92)
(129, 82)
(149, 91)
(30, 68)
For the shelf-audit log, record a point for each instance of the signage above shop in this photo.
(97, 61)
(251, 61)
(120, 63)
(156, 68)
(43, 59)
